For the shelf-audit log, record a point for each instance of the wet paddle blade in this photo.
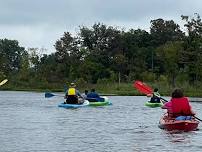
(3, 82)
(142, 87)
(49, 95)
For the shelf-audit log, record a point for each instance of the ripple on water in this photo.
(30, 122)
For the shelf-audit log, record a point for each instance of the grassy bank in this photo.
(124, 89)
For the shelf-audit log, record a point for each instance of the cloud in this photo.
(40, 23)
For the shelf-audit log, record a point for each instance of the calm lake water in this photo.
(29, 122)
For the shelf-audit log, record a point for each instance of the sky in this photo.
(39, 23)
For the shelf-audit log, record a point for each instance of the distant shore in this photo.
(109, 89)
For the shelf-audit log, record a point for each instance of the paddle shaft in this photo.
(49, 95)
(197, 118)
(160, 97)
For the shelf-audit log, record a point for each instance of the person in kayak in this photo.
(178, 105)
(155, 96)
(84, 95)
(72, 95)
(93, 96)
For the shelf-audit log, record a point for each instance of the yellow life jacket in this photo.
(71, 91)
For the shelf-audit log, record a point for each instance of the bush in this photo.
(148, 76)
(81, 83)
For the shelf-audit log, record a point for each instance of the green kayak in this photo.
(105, 101)
(153, 105)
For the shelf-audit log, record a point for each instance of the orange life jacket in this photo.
(180, 106)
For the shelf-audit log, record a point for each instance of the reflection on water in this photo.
(178, 136)
(30, 122)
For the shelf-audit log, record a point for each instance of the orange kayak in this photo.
(171, 124)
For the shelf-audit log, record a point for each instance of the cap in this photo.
(72, 84)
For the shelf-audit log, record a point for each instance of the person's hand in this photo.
(193, 113)
(80, 100)
(149, 95)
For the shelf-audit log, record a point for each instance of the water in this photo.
(29, 122)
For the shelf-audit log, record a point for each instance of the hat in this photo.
(156, 89)
(72, 84)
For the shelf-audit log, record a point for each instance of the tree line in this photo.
(107, 54)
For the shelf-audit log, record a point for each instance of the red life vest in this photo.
(180, 106)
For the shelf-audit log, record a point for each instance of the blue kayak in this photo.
(63, 105)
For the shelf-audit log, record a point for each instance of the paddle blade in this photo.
(142, 87)
(3, 82)
(49, 95)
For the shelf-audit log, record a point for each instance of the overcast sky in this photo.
(39, 23)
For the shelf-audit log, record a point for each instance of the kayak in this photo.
(153, 105)
(103, 101)
(63, 105)
(171, 124)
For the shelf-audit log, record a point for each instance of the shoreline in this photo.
(192, 99)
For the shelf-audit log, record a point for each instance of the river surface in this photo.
(29, 122)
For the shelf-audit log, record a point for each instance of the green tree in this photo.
(169, 54)
(10, 56)
(68, 54)
(192, 54)
(163, 31)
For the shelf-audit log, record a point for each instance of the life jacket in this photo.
(71, 92)
(155, 98)
(180, 106)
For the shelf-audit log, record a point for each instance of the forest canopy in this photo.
(103, 53)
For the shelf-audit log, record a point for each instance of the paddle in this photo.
(145, 89)
(3, 82)
(65, 88)
(142, 87)
(49, 95)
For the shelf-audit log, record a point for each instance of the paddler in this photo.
(179, 107)
(155, 96)
(72, 95)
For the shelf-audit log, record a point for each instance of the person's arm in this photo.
(191, 110)
(78, 94)
(167, 105)
(156, 94)
(66, 95)
(149, 95)
(97, 95)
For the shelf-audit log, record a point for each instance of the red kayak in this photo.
(171, 124)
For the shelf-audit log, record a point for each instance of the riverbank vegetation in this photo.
(109, 59)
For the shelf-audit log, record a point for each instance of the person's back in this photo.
(71, 95)
(178, 105)
(93, 94)
(155, 97)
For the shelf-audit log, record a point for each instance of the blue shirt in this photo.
(93, 95)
